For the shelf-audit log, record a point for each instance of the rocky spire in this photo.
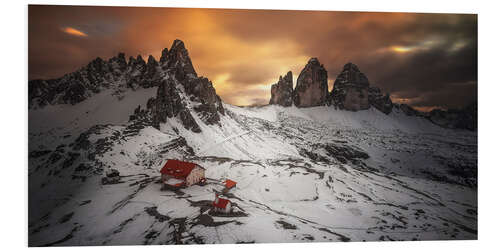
(152, 62)
(179, 62)
(281, 92)
(312, 86)
(352, 91)
(120, 61)
(164, 56)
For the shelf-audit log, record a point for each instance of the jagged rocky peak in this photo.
(200, 93)
(152, 61)
(352, 91)
(281, 92)
(312, 86)
(164, 56)
(178, 61)
(119, 61)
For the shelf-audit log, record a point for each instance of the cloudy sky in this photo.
(425, 60)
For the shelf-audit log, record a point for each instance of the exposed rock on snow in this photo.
(207, 103)
(281, 92)
(168, 104)
(312, 86)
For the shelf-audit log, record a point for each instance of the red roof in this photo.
(230, 183)
(221, 204)
(177, 169)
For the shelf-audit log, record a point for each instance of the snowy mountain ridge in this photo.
(304, 174)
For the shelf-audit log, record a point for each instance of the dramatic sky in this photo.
(425, 60)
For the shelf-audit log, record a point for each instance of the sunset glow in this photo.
(73, 31)
(400, 49)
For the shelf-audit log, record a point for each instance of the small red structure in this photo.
(221, 205)
(230, 184)
(178, 174)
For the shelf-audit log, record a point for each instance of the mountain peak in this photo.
(177, 44)
(352, 91)
(164, 56)
(178, 60)
(281, 92)
(351, 67)
(312, 85)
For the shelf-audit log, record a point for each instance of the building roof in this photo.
(230, 184)
(222, 203)
(178, 169)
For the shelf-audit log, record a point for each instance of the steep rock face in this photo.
(199, 92)
(206, 102)
(142, 74)
(281, 92)
(312, 86)
(168, 104)
(352, 91)
(178, 61)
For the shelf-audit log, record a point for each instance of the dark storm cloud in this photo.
(423, 59)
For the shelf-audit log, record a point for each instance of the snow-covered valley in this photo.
(304, 174)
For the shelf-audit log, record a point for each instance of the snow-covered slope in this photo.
(308, 174)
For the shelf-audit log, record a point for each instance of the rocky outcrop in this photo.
(352, 91)
(140, 74)
(178, 61)
(168, 104)
(407, 109)
(465, 118)
(199, 92)
(281, 92)
(379, 101)
(205, 101)
(312, 86)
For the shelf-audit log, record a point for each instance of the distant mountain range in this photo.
(351, 90)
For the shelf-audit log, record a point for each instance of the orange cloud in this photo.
(74, 32)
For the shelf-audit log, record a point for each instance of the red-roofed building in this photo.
(177, 173)
(228, 184)
(221, 205)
